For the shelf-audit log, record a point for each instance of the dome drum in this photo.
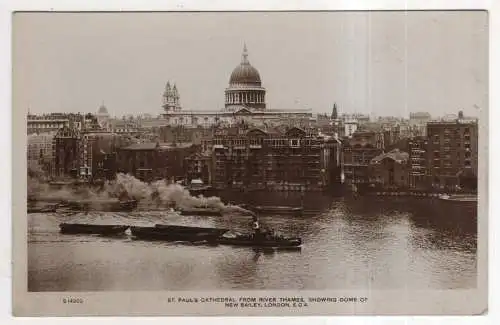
(245, 87)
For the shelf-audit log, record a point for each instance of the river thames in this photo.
(349, 243)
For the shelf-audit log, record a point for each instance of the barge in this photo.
(177, 233)
(42, 209)
(282, 210)
(200, 212)
(112, 205)
(76, 228)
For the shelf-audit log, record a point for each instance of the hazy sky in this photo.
(384, 63)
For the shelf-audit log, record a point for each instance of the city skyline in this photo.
(126, 65)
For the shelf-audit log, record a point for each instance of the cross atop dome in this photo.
(244, 56)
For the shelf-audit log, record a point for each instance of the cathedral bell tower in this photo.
(170, 102)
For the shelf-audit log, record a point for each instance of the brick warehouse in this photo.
(154, 161)
(272, 159)
(452, 153)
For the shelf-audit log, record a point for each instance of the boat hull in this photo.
(177, 233)
(111, 206)
(41, 209)
(251, 242)
(200, 212)
(68, 228)
(278, 210)
(190, 230)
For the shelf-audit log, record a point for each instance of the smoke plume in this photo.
(126, 187)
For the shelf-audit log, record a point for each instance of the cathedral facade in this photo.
(245, 102)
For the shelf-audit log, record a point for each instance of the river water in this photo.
(349, 243)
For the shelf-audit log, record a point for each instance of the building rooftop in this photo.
(249, 111)
(447, 122)
(142, 146)
(395, 154)
(157, 145)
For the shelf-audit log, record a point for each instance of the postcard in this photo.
(250, 163)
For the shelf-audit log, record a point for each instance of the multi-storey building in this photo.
(181, 134)
(154, 161)
(452, 152)
(124, 126)
(40, 152)
(199, 166)
(331, 161)
(47, 122)
(271, 159)
(96, 147)
(350, 127)
(390, 169)
(54, 121)
(66, 148)
(418, 157)
(418, 123)
(358, 151)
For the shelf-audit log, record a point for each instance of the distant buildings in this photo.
(247, 146)
(53, 122)
(245, 101)
(350, 127)
(47, 123)
(103, 117)
(418, 122)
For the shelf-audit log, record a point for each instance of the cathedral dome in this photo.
(102, 110)
(245, 73)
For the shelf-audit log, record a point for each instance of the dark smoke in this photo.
(127, 187)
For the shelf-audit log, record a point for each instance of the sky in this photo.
(378, 63)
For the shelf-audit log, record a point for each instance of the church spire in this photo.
(244, 56)
(175, 92)
(334, 112)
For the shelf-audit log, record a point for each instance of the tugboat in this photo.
(260, 238)
(252, 241)
(197, 187)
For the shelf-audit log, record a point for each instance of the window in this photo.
(254, 142)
